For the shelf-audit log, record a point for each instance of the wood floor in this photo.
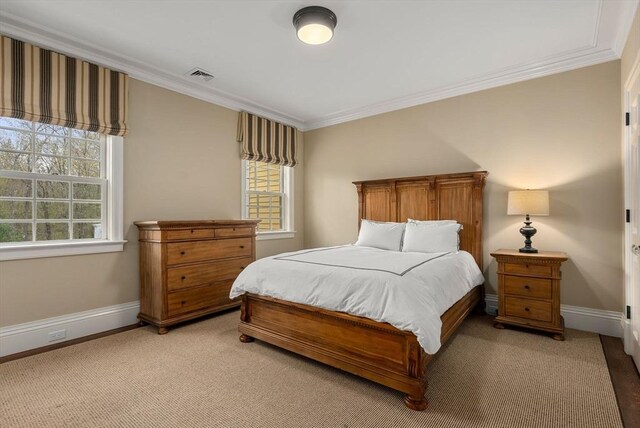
(625, 379)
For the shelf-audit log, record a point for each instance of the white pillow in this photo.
(432, 222)
(387, 236)
(427, 238)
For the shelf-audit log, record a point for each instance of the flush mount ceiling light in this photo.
(315, 24)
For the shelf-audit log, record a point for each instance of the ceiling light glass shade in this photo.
(315, 24)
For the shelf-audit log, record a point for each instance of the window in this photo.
(59, 187)
(267, 196)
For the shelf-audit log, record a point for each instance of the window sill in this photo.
(265, 236)
(57, 249)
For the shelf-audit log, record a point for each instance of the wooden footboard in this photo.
(373, 350)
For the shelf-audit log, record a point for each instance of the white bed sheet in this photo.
(410, 291)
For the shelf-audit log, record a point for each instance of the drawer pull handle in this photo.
(183, 302)
(526, 309)
(241, 246)
(527, 287)
(182, 253)
(234, 229)
(183, 278)
(192, 231)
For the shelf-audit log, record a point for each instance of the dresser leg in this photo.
(163, 330)
(246, 339)
(498, 325)
(558, 336)
(415, 403)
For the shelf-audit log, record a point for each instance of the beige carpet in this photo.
(200, 375)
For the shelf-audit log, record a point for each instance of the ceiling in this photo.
(385, 55)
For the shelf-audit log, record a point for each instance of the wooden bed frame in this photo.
(374, 350)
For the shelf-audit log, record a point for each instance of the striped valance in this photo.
(266, 141)
(44, 86)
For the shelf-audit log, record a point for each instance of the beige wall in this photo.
(181, 162)
(560, 133)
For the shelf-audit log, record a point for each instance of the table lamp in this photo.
(528, 202)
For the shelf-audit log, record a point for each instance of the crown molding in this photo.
(27, 31)
(557, 64)
(625, 27)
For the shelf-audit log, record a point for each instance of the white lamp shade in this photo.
(532, 202)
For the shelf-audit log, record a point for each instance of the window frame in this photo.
(288, 230)
(113, 211)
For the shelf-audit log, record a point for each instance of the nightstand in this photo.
(529, 290)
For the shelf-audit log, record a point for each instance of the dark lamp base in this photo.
(528, 231)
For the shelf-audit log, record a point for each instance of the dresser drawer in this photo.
(189, 276)
(525, 308)
(175, 235)
(228, 232)
(186, 252)
(527, 287)
(193, 299)
(527, 269)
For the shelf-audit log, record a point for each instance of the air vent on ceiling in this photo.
(199, 74)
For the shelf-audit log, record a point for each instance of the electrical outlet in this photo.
(57, 335)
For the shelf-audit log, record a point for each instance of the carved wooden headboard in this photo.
(430, 197)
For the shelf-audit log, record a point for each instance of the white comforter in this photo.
(410, 291)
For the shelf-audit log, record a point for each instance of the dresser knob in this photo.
(182, 253)
(241, 246)
(183, 302)
(526, 309)
(183, 278)
(191, 230)
(234, 229)
(527, 287)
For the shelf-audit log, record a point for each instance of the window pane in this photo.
(88, 211)
(15, 232)
(83, 168)
(87, 191)
(15, 161)
(52, 231)
(52, 210)
(87, 135)
(52, 165)
(50, 145)
(10, 210)
(16, 123)
(16, 187)
(46, 128)
(52, 189)
(87, 231)
(15, 140)
(85, 149)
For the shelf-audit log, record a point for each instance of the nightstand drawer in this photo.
(530, 309)
(527, 287)
(527, 269)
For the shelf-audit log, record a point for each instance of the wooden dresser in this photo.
(529, 290)
(187, 267)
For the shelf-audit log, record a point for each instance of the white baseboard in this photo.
(598, 321)
(32, 335)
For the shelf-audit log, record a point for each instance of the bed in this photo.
(371, 349)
